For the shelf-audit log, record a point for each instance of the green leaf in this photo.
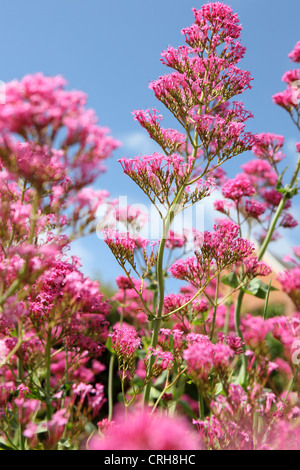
(154, 394)
(198, 322)
(219, 389)
(231, 280)
(280, 179)
(276, 349)
(161, 378)
(109, 345)
(35, 393)
(258, 288)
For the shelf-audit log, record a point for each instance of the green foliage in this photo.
(259, 289)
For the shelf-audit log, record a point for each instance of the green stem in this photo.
(292, 383)
(48, 374)
(167, 221)
(272, 227)
(156, 328)
(111, 368)
(161, 288)
(21, 379)
(201, 405)
(110, 387)
(237, 320)
(166, 387)
(159, 266)
(215, 308)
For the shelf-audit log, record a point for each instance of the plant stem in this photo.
(215, 308)
(19, 329)
(237, 321)
(272, 227)
(292, 383)
(156, 327)
(161, 287)
(159, 267)
(48, 373)
(110, 386)
(111, 368)
(200, 404)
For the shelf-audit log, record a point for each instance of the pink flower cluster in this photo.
(289, 99)
(215, 251)
(145, 431)
(202, 355)
(53, 319)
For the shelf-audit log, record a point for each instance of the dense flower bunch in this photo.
(53, 319)
(212, 364)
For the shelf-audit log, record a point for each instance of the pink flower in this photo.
(218, 249)
(234, 342)
(123, 283)
(142, 431)
(288, 221)
(261, 170)
(288, 99)
(122, 245)
(163, 360)
(238, 188)
(267, 144)
(291, 76)
(254, 208)
(290, 281)
(39, 105)
(222, 206)
(175, 240)
(125, 341)
(254, 268)
(255, 330)
(295, 54)
(202, 355)
(3, 350)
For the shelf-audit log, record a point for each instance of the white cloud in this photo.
(139, 142)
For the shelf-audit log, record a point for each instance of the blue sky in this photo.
(111, 50)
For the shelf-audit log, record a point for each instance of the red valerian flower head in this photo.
(145, 431)
(295, 54)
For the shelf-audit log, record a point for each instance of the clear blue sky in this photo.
(111, 50)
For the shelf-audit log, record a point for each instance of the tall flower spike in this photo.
(125, 343)
(198, 93)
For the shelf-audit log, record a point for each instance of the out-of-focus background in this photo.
(111, 51)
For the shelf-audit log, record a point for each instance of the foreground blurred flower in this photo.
(143, 431)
